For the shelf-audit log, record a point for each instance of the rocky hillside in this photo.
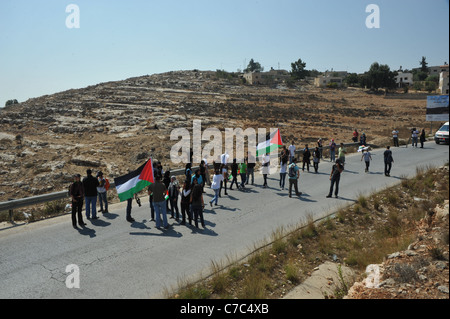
(115, 126)
(421, 271)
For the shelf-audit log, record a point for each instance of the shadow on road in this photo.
(163, 232)
(86, 232)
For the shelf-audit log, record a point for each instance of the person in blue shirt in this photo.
(294, 174)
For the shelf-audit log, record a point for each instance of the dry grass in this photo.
(359, 235)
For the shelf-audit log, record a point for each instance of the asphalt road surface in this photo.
(118, 259)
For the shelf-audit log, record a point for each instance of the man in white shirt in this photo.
(224, 158)
(414, 135)
(395, 137)
(291, 149)
(265, 168)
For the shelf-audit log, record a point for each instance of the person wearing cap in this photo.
(102, 195)
(332, 150)
(90, 184)
(76, 192)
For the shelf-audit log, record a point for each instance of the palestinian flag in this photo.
(134, 182)
(272, 143)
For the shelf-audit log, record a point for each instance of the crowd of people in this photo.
(167, 190)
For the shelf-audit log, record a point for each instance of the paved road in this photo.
(122, 260)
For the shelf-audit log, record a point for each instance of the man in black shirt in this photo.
(306, 158)
(388, 160)
(335, 177)
(76, 192)
(90, 184)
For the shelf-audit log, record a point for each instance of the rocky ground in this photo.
(115, 126)
(421, 271)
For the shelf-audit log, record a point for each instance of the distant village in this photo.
(436, 78)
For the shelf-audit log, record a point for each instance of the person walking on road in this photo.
(388, 160)
(76, 192)
(294, 174)
(265, 168)
(185, 202)
(306, 158)
(243, 172)
(197, 203)
(234, 174)
(341, 154)
(250, 169)
(367, 158)
(215, 185)
(316, 159)
(335, 178)
(283, 171)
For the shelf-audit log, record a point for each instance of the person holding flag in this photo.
(273, 142)
(132, 183)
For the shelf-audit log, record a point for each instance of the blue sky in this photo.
(120, 39)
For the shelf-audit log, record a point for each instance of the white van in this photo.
(441, 135)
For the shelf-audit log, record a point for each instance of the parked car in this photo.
(441, 135)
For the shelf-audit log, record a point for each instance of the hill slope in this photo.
(116, 125)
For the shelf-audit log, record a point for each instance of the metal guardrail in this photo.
(40, 199)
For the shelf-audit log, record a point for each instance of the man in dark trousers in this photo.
(306, 158)
(130, 206)
(388, 160)
(76, 192)
(90, 184)
(335, 177)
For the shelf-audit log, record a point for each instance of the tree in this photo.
(417, 86)
(314, 73)
(430, 86)
(433, 78)
(419, 75)
(254, 67)
(352, 79)
(11, 102)
(423, 65)
(298, 71)
(380, 75)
